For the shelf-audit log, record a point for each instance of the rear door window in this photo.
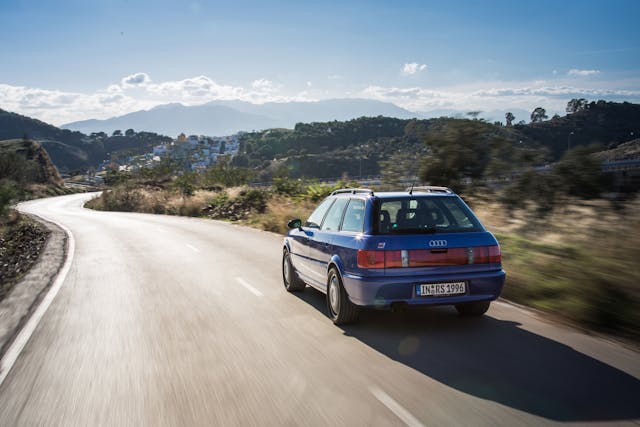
(334, 216)
(354, 216)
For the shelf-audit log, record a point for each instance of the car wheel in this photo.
(341, 310)
(292, 282)
(473, 308)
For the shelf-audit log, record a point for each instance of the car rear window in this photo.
(425, 215)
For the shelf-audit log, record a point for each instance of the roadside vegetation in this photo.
(25, 172)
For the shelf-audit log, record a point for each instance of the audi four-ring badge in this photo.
(420, 247)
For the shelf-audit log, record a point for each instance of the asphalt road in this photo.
(180, 321)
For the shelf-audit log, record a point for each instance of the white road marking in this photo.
(23, 336)
(193, 248)
(395, 407)
(249, 287)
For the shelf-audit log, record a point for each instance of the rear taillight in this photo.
(495, 256)
(429, 257)
(370, 259)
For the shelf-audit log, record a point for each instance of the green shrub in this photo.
(248, 202)
(8, 192)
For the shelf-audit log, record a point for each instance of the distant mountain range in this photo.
(219, 118)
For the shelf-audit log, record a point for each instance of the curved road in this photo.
(180, 321)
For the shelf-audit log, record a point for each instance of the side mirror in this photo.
(295, 223)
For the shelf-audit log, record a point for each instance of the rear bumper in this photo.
(381, 292)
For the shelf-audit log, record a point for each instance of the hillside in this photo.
(68, 150)
(357, 147)
(219, 118)
(629, 150)
(26, 162)
(602, 123)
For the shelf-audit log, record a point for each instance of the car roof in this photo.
(422, 191)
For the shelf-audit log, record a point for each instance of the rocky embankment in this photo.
(20, 245)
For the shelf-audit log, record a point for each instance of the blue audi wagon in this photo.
(386, 249)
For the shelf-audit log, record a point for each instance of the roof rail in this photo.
(352, 191)
(430, 189)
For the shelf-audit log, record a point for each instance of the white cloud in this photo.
(264, 85)
(137, 79)
(413, 67)
(491, 96)
(582, 73)
(134, 92)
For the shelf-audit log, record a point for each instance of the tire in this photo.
(473, 308)
(290, 279)
(341, 310)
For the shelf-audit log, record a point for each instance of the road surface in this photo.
(180, 321)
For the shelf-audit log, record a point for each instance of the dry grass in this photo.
(280, 210)
(150, 200)
(580, 261)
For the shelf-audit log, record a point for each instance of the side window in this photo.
(332, 221)
(315, 219)
(354, 216)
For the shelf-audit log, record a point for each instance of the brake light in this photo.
(370, 259)
(429, 257)
(495, 255)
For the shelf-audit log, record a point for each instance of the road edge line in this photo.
(22, 337)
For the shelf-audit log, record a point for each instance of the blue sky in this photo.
(67, 60)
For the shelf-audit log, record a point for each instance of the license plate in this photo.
(440, 289)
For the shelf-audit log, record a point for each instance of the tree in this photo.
(580, 174)
(576, 105)
(510, 118)
(98, 135)
(555, 116)
(117, 132)
(186, 184)
(538, 115)
(460, 150)
(474, 114)
(7, 193)
(129, 132)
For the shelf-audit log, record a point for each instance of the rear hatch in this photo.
(418, 235)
